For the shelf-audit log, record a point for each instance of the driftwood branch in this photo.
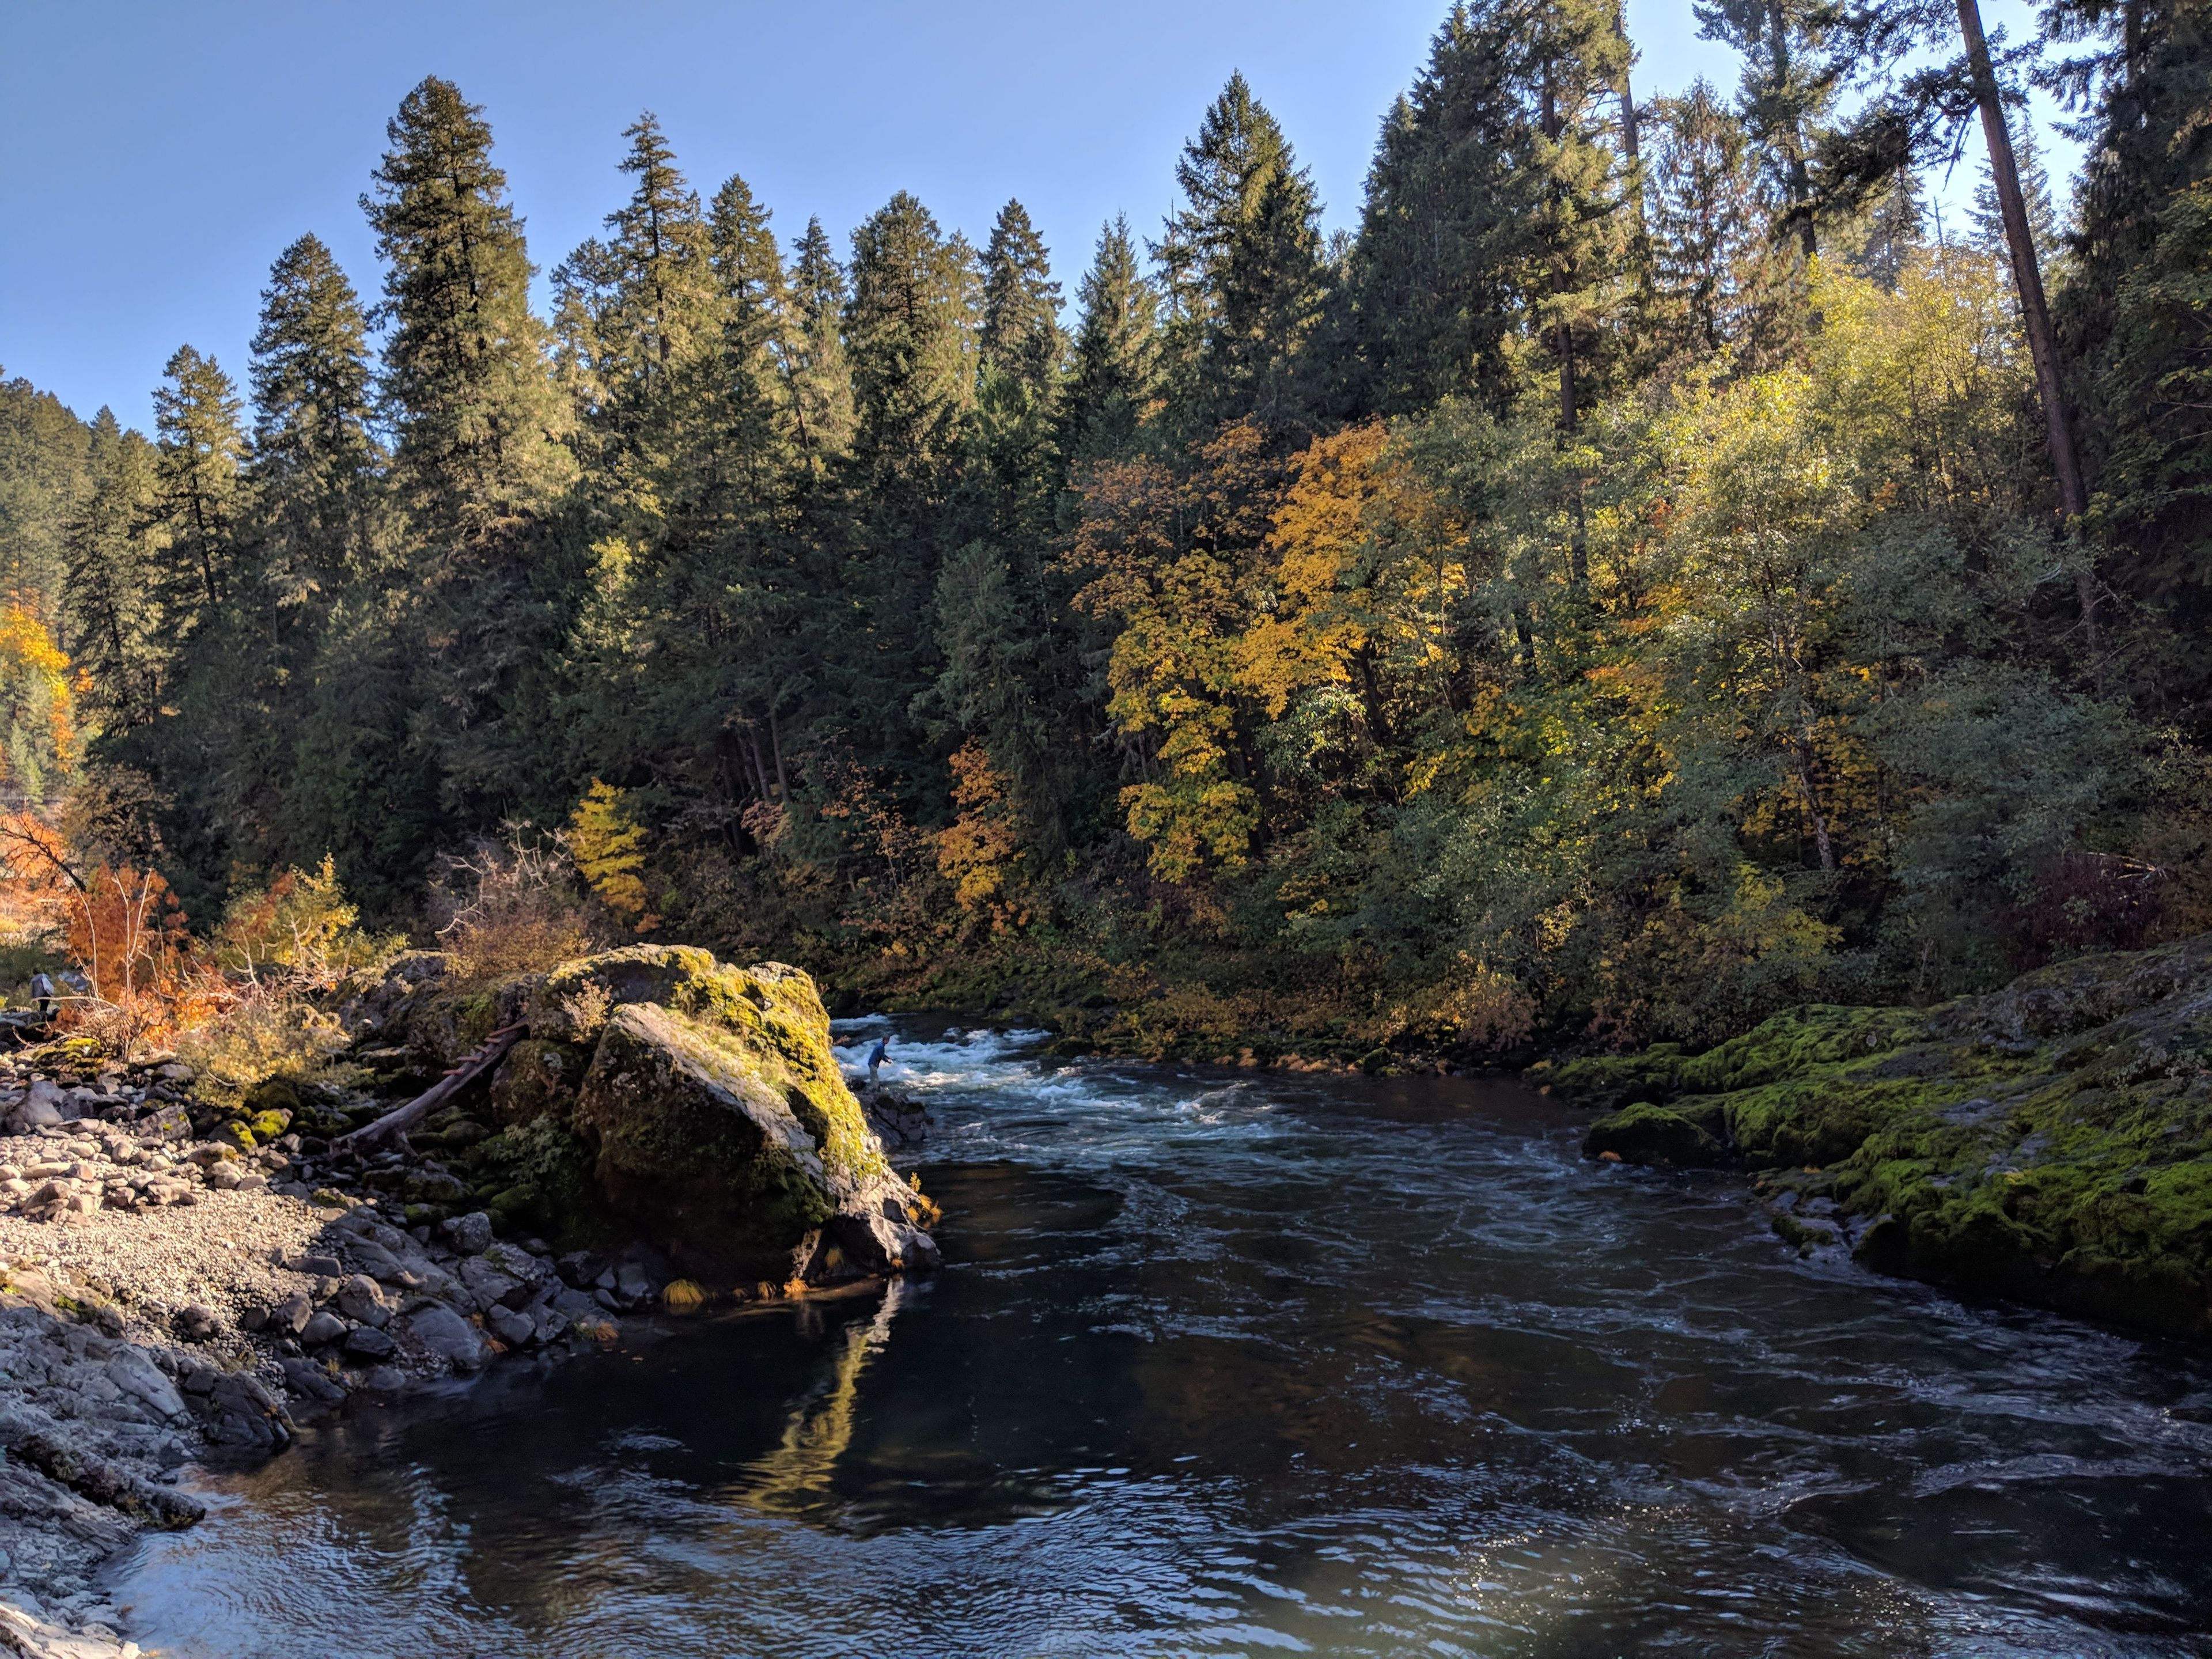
(401, 1119)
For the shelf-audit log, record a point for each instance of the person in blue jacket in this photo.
(876, 1057)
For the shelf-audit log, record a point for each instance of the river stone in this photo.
(137, 1376)
(487, 1287)
(366, 1342)
(324, 1326)
(292, 1312)
(720, 1126)
(307, 1379)
(359, 1299)
(510, 1327)
(1644, 1134)
(446, 1334)
(471, 1234)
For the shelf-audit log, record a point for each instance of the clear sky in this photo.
(158, 155)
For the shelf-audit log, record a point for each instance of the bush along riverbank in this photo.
(187, 1273)
(2050, 1142)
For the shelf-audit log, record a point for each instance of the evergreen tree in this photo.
(1113, 368)
(1708, 231)
(111, 607)
(640, 304)
(910, 330)
(465, 381)
(1894, 230)
(196, 490)
(1790, 81)
(815, 364)
(1241, 258)
(44, 451)
(1438, 267)
(2134, 313)
(468, 393)
(314, 451)
(1987, 218)
(1021, 336)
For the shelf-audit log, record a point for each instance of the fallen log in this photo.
(401, 1119)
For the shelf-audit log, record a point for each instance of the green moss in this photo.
(2052, 1142)
(1644, 1134)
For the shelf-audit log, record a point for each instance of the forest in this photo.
(1658, 568)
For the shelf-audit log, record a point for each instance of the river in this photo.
(1254, 1363)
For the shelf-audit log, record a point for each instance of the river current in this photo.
(1226, 1362)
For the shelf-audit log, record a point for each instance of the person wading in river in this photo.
(876, 1060)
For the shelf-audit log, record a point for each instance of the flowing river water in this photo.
(1229, 1363)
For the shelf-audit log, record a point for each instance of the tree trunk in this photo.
(398, 1122)
(2035, 313)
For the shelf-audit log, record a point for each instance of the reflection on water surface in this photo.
(1232, 1364)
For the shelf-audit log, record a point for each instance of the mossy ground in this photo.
(2052, 1141)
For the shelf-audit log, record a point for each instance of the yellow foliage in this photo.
(607, 844)
(980, 852)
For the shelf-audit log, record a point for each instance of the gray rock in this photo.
(324, 1326)
(471, 1233)
(366, 1342)
(137, 1376)
(322, 1267)
(385, 1379)
(360, 1300)
(292, 1314)
(196, 1323)
(311, 1381)
(446, 1334)
(487, 1287)
(41, 1108)
(514, 1329)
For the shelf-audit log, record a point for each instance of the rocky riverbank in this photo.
(2050, 1142)
(183, 1277)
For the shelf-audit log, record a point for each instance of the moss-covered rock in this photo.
(664, 1094)
(1644, 1134)
(2052, 1141)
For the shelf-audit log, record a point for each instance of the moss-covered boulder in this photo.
(2052, 1141)
(665, 1095)
(1644, 1134)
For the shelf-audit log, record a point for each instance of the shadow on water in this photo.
(1222, 1363)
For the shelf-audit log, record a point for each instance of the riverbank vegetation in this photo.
(1656, 571)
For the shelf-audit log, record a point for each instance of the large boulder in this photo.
(665, 1095)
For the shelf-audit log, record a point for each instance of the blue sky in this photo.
(159, 155)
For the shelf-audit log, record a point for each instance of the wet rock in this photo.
(246, 1414)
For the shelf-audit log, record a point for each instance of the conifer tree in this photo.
(1241, 258)
(465, 381)
(43, 480)
(1789, 82)
(111, 607)
(1708, 231)
(1894, 230)
(1439, 267)
(1021, 336)
(1114, 367)
(197, 489)
(315, 452)
(1987, 215)
(815, 364)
